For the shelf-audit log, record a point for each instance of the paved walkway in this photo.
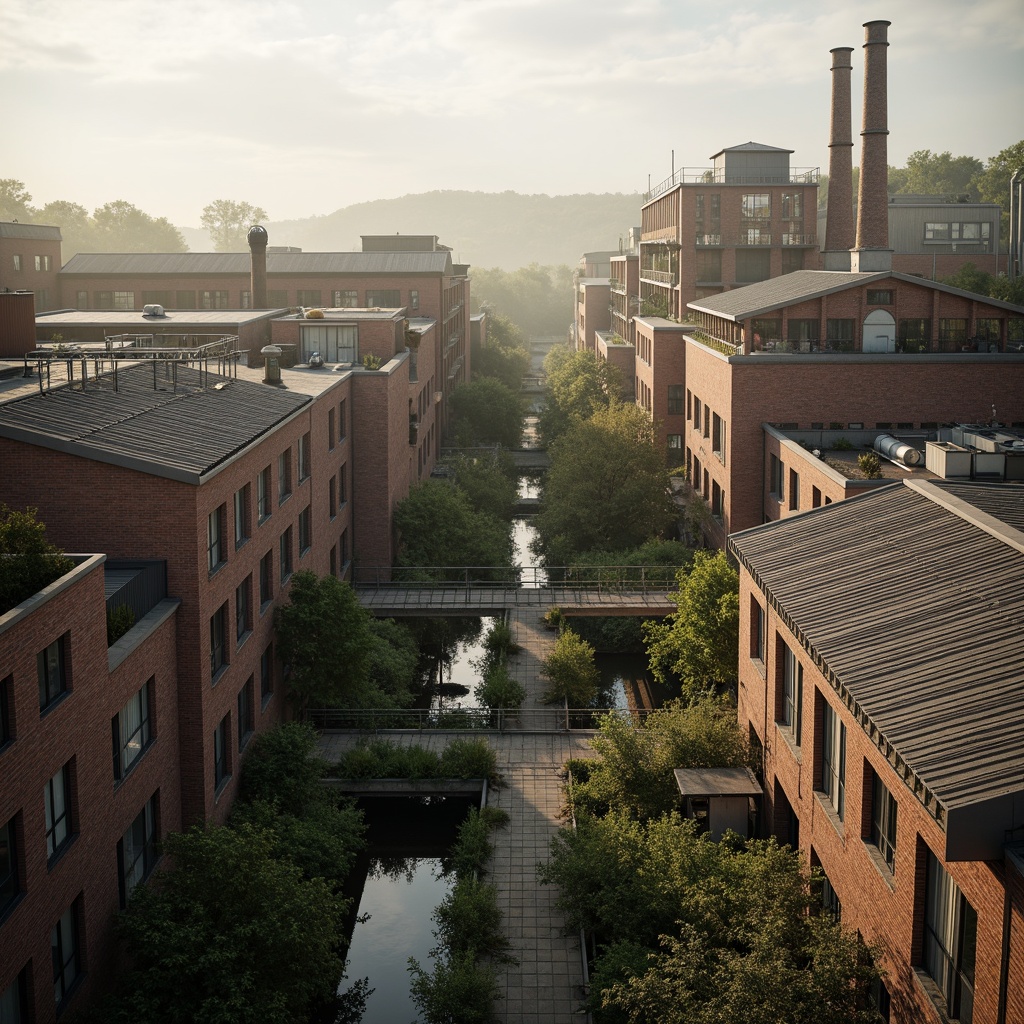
(547, 986)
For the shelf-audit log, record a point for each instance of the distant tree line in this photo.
(536, 299)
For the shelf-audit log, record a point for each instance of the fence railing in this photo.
(607, 578)
(554, 719)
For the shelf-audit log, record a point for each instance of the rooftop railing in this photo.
(719, 176)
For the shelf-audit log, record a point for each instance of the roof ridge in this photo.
(964, 510)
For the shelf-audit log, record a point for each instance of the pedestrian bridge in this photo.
(608, 590)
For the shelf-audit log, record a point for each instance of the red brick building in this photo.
(885, 699)
(30, 262)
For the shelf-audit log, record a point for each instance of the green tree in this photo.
(633, 770)
(506, 354)
(438, 527)
(393, 657)
(936, 174)
(536, 298)
(15, 201)
(323, 635)
(77, 231)
(486, 411)
(28, 560)
(122, 227)
(578, 385)
(571, 671)
(228, 222)
(972, 279)
(697, 643)
(993, 183)
(606, 489)
(232, 935)
(490, 482)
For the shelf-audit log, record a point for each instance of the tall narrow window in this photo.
(950, 940)
(221, 738)
(304, 457)
(286, 554)
(284, 476)
(245, 714)
(10, 884)
(342, 419)
(883, 821)
(331, 435)
(218, 633)
(52, 671)
(267, 674)
(792, 691)
(130, 731)
(64, 947)
(243, 614)
(241, 516)
(757, 630)
(833, 759)
(57, 805)
(266, 579)
(343, 485)
(215, 539)
(263, 494)
(305, 530)
(136, 850)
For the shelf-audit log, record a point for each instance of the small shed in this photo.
(720, 798)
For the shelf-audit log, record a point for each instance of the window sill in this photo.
(12, 904)
(876, 858)
(305, 551)
(58, 856)
(934, 995)
(263, 519)
(831, 813)
(267, 698)
(56, 702)
(762, 669)
(241, 641)
(219, 674)
(786, 735)
(221, 786)
(217, 568)
(244, 741)
(239, 544)
(283, 499)
(265, 606)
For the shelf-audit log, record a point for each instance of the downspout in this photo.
(1004, 960)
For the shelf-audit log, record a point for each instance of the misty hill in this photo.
(485, 229)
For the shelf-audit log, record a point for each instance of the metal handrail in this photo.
(552, 719)
(609, 578)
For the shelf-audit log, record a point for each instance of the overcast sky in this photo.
(303, 107)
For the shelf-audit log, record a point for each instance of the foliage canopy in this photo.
(30, 562)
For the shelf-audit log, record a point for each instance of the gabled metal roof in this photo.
(185, 263)
(911, 602)
(182, 432)
(750, 147)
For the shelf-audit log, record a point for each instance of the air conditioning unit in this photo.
(153, 309)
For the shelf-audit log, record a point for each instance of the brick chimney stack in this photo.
(839, 235)
(872, 252)
(257, 239)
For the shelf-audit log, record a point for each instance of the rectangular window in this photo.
(883, 821)
(383, 297)
(794, 491)
(277, 298)
(214, 299)
(215, 538)
(792, 205)
(916, 333)
(82, 300)
(1015, 334)
(709, 263)
(717, 500)
(756, 207)
(767, 333)
(343, 484)
(245, 299)
(414, 299)
(342, 419)
(267, 674)
(185, 299)
(10, 882)
(130, 731)
(221, 763)
(332, 498)
(243, 614)
(952, 330)
(285, 554)
(284, 476)
(51, 665)
(950, 939)
(330, 430)
(346, 299)
(136, 850)
(792, 259)
(245, 713)
(304, 457)
(344, 547)
(241, 516)
(266, 579)
(305, 531)
(798, 330)
(159, 298)
(57, 806)
(879, 296)
(14, 1000)
(676, 399)
(791, 690)
(833, 758)
(102, 300)
(6, 711)
(65, 956)
(830, 902)
(123, 300)
(935, 231)
(218, 632)
(815, 497)
(43, 263)
(336, 343)
(307, 297)
(263, 494)
(333, 560)
(776, 474)
(718, 436)
(988, 329)
(16, 261)
(758, 634)
(697, 413)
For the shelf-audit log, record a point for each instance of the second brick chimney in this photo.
(839, 237)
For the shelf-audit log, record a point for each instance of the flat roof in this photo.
(44, 232)
(709, 782)
(206, 263)
(910, 599)
(140, 323)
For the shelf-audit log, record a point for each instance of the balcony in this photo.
(708, 239)
(619, 287)
(662, 277)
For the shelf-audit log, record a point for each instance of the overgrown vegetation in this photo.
(870, 465)
(578, 385)
(571, 671)
(247, 927)
(505, 356)
(381, 759)
(486, 411)
(119, 621)
(30, 562)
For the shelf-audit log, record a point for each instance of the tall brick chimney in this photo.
(872, 252)
(258, 239)
(839, 235)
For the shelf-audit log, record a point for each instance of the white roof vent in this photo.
(153, 309)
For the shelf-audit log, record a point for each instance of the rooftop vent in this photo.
(153, 309)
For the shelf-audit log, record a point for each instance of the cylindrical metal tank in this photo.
(897, 450)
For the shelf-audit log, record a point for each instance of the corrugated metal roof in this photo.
(1004, 502)
(919, 614)
(184, 263)
(750, 147)
(754, 299)
(11, 229)
(183, 433)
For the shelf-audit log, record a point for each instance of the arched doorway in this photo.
(879, 332)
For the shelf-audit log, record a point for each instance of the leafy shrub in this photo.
(571, 671)
(499, 642)
(30, 561)
(280, 767)
(500, 690)
(870, 465)
(459, 989)
(469, 759)
(840, 444)
(119, 621)
(472, 848)
(469, 922)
